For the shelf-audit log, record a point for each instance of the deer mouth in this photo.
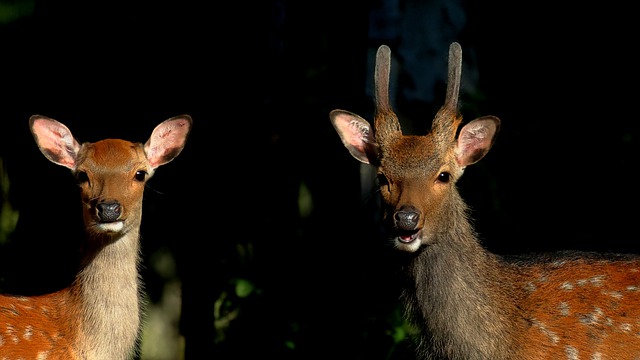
(110, 227)
(407, 237)
(407, 241)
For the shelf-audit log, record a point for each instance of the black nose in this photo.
(407, 218)
(109, 211)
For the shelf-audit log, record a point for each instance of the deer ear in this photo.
(167, 140)
(55, 141)
(475, 139)
(356, 135)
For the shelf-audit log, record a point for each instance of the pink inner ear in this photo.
(167, 141)
(474, 141)
(352, 131)
(56, 142)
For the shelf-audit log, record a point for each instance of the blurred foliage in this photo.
(161, 339)
(11, 11)
(8, 216)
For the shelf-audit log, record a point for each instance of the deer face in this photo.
(414, 183)
(416, 174)
(112, 175)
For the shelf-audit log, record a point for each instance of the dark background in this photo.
(265, 196)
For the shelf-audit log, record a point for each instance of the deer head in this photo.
(417, 174)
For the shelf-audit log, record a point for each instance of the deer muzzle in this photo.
(406, 219)
(109, 211)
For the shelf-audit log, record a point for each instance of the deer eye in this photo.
(444, 177)
(141, 175)
(82, 177)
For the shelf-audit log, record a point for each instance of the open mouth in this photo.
(407, 237)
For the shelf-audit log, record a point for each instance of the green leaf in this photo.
(244, 288)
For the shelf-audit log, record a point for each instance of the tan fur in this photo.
(98, 316)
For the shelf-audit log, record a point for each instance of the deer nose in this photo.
(109, 211)
(407, 218)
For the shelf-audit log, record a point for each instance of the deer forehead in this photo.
(112, 156)
(413, 157)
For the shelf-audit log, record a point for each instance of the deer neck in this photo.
(454, 294)
(108, 291)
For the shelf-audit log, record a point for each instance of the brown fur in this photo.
(97, 317)
(468, 303)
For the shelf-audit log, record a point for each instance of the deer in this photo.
(465, 301)
(99, 315)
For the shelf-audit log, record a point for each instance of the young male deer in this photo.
(98, 316)
(466, 302)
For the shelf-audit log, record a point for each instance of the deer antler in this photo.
(448, 119)
(386, 122)
(455, 72)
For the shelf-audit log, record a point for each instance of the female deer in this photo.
(98, 316)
